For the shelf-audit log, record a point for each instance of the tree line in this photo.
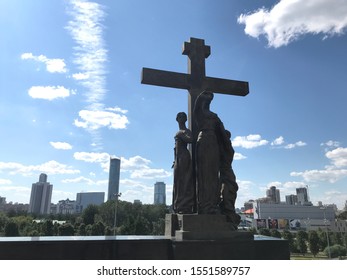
(314, 241)
(132, 219)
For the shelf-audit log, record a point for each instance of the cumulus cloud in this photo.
(84, 180)
(249, 142)
(139, 168)
(135, 162)
(101, 158)
(53, 65)
(61, 145)
(149, 173)
(239, 156)
(95, 119)
(296, 144)
(289, 20)
(51, 167)
(331, 173)
(338, 157)
(278, 141)
(49, 92)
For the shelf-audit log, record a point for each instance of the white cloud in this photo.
(238, 156)
(53, 65)
(329, 175)
(297, 144)
(149, 173)
(117, 109)
(102, 158)
(288, 20)
(93, 120)
(338, 157)
(331, 143)
(80, 76)
(86, 29)
(139, 168)
(278, 141)
(61, 145)
(133, 163)
(50, 168)
(84, 180)
(249, 142)
(49, 92)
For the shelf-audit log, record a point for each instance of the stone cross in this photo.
(195, 81)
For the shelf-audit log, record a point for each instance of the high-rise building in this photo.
(113, 180)
(87, 198)
(273, 194)
(302, 195)
(41, 195)
(159, 193)
(291, 199)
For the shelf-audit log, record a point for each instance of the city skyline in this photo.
(71, 95)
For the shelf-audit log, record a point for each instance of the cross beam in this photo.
(195, 81)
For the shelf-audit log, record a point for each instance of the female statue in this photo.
(211, 134)
(183, 188)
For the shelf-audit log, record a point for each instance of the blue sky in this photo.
(71, 96)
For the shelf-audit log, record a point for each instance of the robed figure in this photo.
(183, 188)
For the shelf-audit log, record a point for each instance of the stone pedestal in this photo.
(203, 227)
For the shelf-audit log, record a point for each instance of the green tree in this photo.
(142, 226)
(264, 231)
(335, 251)
(66, 230)
(301, 239)
(47, 228)
(98, 228)
(3, 221)
(11, 228)
(313, 241)
(286, 234)
(158, 228)
(88, 214)
(275, 233)
(82, 230)
(342, 216)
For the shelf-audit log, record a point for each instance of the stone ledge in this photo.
(140, 248)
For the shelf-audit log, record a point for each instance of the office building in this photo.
(88, 198)
(273, 194)
(66, 206)
(113, 180)
(159, 193)
(291, 199)
(41, 194)
(302, 195)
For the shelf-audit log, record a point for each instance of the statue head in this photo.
(181, 117)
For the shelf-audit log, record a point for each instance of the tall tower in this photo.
(159, 193)
(41, 195)
(113, 180)
(302, 195)
(273, 194)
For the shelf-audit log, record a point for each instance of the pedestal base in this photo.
(203, 227)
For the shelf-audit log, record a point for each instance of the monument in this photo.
(205, 188)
